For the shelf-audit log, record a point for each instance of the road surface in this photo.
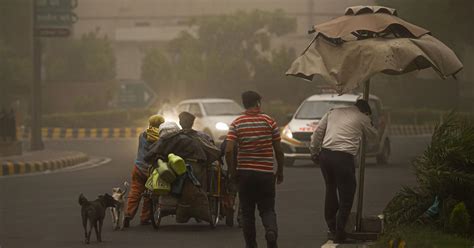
(43, 211)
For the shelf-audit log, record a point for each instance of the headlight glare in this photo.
(222, 126)
(287, 133)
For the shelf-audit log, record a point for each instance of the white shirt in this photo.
(341, 129)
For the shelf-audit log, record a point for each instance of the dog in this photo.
(94, 211)
(118, 212)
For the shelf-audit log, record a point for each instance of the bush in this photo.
(112, 118)
(459, 220)
(423, 237)
(445, 169)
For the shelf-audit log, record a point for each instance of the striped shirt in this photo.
(254, 133)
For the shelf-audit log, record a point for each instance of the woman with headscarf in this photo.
(140, 173)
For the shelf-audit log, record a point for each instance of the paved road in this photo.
(42, 211)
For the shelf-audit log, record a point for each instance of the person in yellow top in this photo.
(140, 173)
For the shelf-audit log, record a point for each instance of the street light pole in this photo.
(36, 139)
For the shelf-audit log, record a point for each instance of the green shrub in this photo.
(407, 206)
(423, 237)
(445, 169)
(459, 220)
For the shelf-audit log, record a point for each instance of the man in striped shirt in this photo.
(257, 137)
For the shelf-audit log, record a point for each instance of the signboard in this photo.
(135, 94)
(54, 18)
(53, 32)
(55, 5)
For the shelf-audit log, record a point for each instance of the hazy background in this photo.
(208, 48)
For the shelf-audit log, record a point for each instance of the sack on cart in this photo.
(193, 203)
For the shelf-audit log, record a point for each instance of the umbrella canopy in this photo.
(380, 42)
(356, 24)
(347, 65)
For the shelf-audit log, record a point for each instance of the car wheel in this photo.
(383, 157)
(289, 162)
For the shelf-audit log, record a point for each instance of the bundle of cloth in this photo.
(198, 153)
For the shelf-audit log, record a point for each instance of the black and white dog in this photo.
(118, 212)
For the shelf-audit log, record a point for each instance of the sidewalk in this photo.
(39, 161)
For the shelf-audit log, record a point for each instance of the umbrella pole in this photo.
(360, 192)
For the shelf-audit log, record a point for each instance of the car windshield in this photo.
(317, 109)
(222, 108)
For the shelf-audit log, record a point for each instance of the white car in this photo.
(213, 115)
(296, 136)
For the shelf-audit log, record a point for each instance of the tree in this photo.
(89, 59)
(15, 73)
(157, 70)
(15, 50)
(223, 56)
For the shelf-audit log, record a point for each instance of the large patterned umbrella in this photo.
(347, 51)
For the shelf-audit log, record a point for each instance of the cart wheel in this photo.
(214, 208)
(214, 201)
(156, 215)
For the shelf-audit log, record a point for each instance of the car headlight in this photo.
(222, 126)
(287, 133)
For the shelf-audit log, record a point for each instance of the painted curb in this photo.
(58, 133)
(411, 130)
(54, 133)
(19, 167)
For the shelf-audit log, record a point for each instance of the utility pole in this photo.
(36, 91)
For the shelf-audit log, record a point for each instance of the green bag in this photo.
(163, 188)
(156, 184)
(177, 164)
(152, 181)
(166, 174)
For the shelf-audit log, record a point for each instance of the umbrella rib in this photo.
(311, 43)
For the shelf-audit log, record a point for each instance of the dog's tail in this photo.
(83, 200)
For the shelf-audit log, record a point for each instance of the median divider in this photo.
(54, 133)
(16, 167)
(412, 130)
(57, 133)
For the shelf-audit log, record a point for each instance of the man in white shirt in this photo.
(334, 145)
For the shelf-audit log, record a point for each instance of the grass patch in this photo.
(425, 237)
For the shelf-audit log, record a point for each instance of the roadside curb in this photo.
(411, 130)
(60, 133)
(54, 133)
(20, 167)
